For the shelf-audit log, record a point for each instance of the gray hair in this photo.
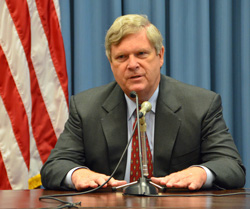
(131, 24)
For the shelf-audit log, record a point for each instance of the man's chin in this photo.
(138, 91)
(137, 87)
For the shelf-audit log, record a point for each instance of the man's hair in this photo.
(131, 24)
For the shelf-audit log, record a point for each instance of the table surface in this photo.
(105, 198)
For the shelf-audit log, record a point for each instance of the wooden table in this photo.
(108, 199)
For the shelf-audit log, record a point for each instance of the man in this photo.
(189, 141)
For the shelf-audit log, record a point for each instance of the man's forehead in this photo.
(131, 37)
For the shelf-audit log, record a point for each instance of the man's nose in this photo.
(132, 62)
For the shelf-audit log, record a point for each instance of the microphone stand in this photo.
(143, 186)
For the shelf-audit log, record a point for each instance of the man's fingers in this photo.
(157, 180)
(119, 183)
(114, 183)
(192, 178)
(179, 184)
(84, 178)
(93, 184)
(82, 185)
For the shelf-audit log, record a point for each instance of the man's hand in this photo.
(83, 178)
(192, 178)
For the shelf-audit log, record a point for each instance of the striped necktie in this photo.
(135, 170)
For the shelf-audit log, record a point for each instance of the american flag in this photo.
(33, 89)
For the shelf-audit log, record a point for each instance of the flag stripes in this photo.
(33, 87)
(51, 27)
(17, 115)
(4, 183)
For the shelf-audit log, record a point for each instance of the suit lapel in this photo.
(167, 125)
(114, 126)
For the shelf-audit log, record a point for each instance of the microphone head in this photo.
(133, 94)
(146, 106)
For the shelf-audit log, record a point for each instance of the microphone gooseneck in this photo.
(133, 94)
(143, 186)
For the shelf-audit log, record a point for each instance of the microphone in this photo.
(133, 94)
(145, 107)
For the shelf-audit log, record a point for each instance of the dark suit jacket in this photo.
(189, 130)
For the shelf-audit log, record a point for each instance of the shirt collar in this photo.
(131, 105)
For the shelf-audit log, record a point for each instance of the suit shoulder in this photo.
(184, 89)
(174, 94)
(95, 93)
(97, 100)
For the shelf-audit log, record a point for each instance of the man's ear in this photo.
(161, 55)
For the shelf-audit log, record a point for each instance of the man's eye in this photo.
(120, 57)
(142, 54)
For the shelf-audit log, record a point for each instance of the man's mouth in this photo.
(137, 76)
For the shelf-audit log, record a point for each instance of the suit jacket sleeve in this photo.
(218, 149)
(67, 154)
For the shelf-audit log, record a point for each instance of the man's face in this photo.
(136, 66)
